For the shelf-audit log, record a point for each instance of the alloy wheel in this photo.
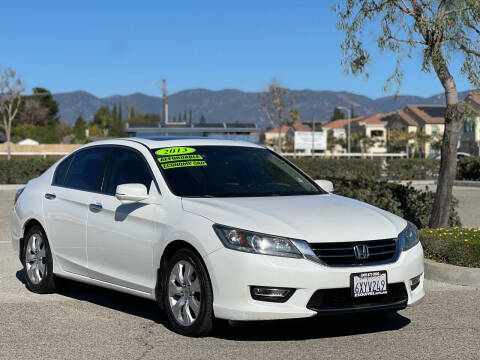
(36, 259)
(184, 292)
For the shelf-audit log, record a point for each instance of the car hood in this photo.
(314, 218)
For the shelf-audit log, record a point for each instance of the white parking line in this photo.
(4, 242)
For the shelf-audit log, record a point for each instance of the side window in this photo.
(126, 167)
(61, 171)
(87, 169)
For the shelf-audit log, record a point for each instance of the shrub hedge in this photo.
(405, 201)
(456, 246)
(412, 169)
(468, 168)
(347, 168)
(20, 171)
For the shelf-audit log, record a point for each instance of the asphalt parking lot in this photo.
(84, 322)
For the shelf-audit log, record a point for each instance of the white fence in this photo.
(27, 153)
(345, 155)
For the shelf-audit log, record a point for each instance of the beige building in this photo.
(429, 119)
(470, 136)
(338, 129)
(375, 128)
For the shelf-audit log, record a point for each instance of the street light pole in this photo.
(348, 127)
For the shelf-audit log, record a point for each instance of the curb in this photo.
(467, 183)
(11, 186)
(452, 274)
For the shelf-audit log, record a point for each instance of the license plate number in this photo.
(369, 283)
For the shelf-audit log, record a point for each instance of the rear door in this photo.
(66, 206)
(120, 237)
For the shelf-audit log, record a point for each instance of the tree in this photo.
(190, 116)
(184, 116)
(398, 140)
(337, 114)
(103, 119)
(11, 88)
(47, 101)
(275, 103)
(79, 128)
(443, 30)
(202, 120)
(293, 116)
(33, 113)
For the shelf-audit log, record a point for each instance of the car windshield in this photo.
(230, 171)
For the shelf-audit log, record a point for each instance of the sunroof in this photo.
(436, 112)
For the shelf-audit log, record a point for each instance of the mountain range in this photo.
(231, 105)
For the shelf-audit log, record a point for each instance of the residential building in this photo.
(287, 132)
(338, 129)
(375, 128)
(429, 119)
(470, 136)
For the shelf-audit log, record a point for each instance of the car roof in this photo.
(154, 142)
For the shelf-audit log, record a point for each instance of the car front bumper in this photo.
(233, 272)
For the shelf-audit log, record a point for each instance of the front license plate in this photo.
(369, 283)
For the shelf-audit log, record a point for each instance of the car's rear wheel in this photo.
(187, 295)
(38, 263)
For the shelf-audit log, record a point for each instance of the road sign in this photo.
(305, 140)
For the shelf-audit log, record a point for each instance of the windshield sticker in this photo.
(173, 165)
(177, 150)
(165, 159)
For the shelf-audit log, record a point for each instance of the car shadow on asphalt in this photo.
(281, 330)
(114, 300)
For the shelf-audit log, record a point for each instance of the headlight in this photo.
(409, 236)
(256, 243)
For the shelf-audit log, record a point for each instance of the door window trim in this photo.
(107, 162)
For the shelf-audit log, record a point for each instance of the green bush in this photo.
(405, 201)
(412, 169)
(20, 171)
(468, 168)
(456, 246)
(319, 168)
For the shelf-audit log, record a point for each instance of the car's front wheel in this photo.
(187, 295)
(38, 263)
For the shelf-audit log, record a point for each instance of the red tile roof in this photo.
(407, 118)
(424, 113)
(377, 119)
(341, 123)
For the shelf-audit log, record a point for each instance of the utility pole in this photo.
(164, 101)
(313, 136)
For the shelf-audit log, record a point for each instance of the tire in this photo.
(187, 296)
(38, 262)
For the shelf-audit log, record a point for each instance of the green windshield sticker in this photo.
(165, 159)
(178, 150)
(173, 165)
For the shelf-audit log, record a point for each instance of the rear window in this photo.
(87, 169)
(61, 171)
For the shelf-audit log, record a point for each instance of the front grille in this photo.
(341, 300)
(342, 253)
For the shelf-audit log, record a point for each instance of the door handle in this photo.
(95, 207)
(50, 196)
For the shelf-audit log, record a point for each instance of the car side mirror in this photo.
(130, 193)
(325, 185)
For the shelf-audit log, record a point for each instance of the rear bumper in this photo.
(233, 272)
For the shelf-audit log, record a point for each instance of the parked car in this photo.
(459, 155)
(212, 229)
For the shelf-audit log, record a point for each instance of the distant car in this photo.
(212, 229)
(459, 155)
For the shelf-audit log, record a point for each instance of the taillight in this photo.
(17, 195)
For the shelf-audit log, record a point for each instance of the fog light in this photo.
(271, 294)
(414, 282)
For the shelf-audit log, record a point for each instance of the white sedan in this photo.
(212, 229)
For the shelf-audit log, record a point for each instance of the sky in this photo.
(122, 47)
